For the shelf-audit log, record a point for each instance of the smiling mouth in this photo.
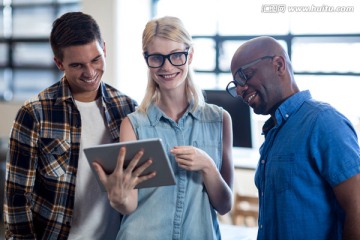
(168, 76)
(92, 80)
(248, 99)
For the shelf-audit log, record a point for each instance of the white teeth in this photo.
(169, 76)
(89, 81)
(251, 97)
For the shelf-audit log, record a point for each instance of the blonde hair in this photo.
(170, 28)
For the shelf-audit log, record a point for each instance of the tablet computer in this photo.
(106, 155)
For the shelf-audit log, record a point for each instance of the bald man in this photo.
(308, 176)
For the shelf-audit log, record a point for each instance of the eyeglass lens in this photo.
(231, 89)
(176, 59)
(240, 78)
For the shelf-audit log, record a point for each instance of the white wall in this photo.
(7, 115)
(122, 23)
(104, 13)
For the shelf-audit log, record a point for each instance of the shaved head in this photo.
(256, 48)
(269, 82)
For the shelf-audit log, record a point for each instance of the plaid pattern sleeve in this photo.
(21, 173)
(42, 161)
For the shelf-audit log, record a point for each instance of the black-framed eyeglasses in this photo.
(158, 60)
(240, 78)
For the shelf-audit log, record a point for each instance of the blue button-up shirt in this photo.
(311, 148)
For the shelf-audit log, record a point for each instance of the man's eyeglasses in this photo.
(240, 78)
(157, 60)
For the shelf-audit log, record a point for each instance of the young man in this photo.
(308, 175)
(51, 192)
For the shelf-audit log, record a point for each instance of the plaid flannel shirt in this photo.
(43, 157)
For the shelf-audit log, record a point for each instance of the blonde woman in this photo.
(198, 137)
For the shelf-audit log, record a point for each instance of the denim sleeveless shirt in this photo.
(182, 211)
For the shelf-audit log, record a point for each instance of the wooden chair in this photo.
(245, 211)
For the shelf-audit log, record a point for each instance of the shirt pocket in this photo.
(280, 172)
(54, 157)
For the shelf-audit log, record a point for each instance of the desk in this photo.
(234, 232)
(245, 158)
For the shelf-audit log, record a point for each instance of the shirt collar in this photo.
(287, 108)
(64, 92)
(155, 114)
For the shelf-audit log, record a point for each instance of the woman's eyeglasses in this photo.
(158, 60)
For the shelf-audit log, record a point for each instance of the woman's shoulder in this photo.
(210, 112)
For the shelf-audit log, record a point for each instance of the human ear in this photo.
(59, 64)
(104, 49)
(279, 64)
(190, 55)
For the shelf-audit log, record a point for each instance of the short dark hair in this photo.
(73, 29)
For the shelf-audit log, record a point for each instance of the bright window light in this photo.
(311, 50)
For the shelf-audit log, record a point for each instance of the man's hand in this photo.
(121, 183)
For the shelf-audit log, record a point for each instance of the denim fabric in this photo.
(310, 150)
(182, 211)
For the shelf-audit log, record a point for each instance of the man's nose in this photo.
(89, 71)
(241, 89)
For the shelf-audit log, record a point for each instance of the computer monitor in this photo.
(240, 114)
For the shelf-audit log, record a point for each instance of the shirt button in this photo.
(286, 115)
(263, 161)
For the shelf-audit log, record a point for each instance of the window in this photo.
(323, 42)
(26, 65)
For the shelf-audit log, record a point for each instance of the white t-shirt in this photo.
(93, 218)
